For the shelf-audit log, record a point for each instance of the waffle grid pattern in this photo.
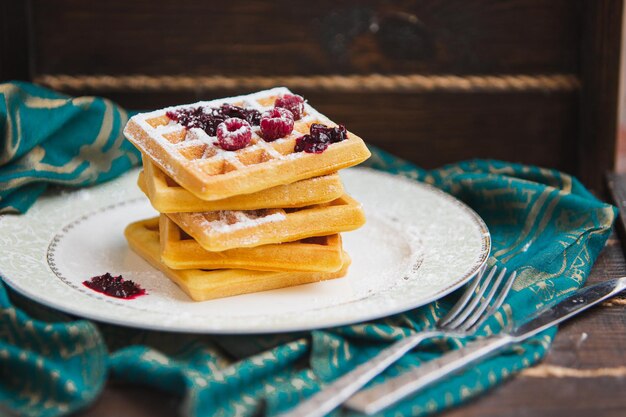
(194, 158)
(195, 145)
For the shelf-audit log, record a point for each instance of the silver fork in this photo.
(467, 315)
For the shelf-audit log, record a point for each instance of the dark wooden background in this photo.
(571, 129)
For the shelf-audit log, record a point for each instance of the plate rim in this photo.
(155, 326)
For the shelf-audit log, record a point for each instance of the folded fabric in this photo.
(49, 138)
(544, 224)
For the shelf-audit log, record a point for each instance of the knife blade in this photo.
(379, 397)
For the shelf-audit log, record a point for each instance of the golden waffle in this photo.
(180, 251)
(211, 173)
(201, 285)
(167, 196)
(223, 230)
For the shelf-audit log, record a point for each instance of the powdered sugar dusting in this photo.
(231, 220)
(171, 127)
(198, 134)
(250, 101)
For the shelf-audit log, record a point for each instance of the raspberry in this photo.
(276, 123)
(293, 103)
(320, 137)
(234, 133)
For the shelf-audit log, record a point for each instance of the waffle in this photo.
(167, 196)
(223, 230)
(211, 173)
(180, 251)
(201, 285)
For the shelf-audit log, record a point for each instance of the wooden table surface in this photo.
(583, 375)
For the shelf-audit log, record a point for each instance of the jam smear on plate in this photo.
(112, 286)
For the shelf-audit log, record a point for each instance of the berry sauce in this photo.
(209, 119)
(116, 287)
(251, 116)
(320, 137)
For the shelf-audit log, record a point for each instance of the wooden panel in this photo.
(14, 64)
(327, 36)
(439, 129)
(432, 130)
(601, 43)
(617, 193)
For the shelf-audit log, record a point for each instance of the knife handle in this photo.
(381, 396)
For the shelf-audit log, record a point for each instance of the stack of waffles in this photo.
(240, 216)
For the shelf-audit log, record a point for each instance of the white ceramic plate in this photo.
(418, 245)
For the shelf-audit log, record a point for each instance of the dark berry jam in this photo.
(249, 115)
(116, 287)
(209, 119)
(191, 117)
(320, 137)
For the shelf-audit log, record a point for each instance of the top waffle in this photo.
(194, 159)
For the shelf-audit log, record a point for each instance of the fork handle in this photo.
(381, 396)
(342, 388)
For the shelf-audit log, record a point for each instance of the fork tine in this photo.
(476, 315)
(458, 307)
(473, 303)
(496, 305)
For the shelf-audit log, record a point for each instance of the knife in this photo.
(379, 397)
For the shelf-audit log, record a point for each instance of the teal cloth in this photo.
(544, 224)
(49, 138)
